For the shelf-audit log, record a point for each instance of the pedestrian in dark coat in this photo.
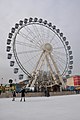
(46, 91)
(23, 94)
(14, 95)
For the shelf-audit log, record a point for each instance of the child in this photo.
(23, 94)
(14, 95)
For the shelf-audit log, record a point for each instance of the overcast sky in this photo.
(65, 14)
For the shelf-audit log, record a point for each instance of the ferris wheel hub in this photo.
(47, 47)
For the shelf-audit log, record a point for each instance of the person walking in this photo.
(22, 94)
(14, 95)
(46, 91)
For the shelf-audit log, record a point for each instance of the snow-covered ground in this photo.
(41, 108)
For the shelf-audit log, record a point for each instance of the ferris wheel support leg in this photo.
(38, 62)
(37, 69)
(50, 68)
(57, 71)
(33, 82)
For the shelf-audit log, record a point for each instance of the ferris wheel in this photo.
(39, 47)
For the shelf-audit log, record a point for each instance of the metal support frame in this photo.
(45, 55)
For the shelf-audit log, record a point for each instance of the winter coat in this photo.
(14, 93)
(23, 93)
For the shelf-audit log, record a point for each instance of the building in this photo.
(73, 81)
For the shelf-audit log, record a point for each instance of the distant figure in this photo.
(14, 95)
(0, 91)
(77, 91)
(47, 94)
(23, 94)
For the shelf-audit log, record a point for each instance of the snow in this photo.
(41, 108)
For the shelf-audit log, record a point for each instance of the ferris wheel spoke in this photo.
(33, 35)
(42, 34)
(60, 64)
(60, 53)
(37, 32)
(25, 36)
(61, 68)
(58, 48)
(59, 61)
(31, 59)
(59, 58)
(55, 42)
(52, 39)
(31, 51)
(28, 64)
(31, 40)
(30, 32)
(48, 35)
(26, 44)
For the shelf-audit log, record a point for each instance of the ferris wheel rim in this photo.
(18, 61)
(49, 27)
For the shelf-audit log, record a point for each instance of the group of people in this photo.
(22, 95)
(46, 92)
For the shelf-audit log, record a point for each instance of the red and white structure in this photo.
(73, 81)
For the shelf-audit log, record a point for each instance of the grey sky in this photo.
(65, 14)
